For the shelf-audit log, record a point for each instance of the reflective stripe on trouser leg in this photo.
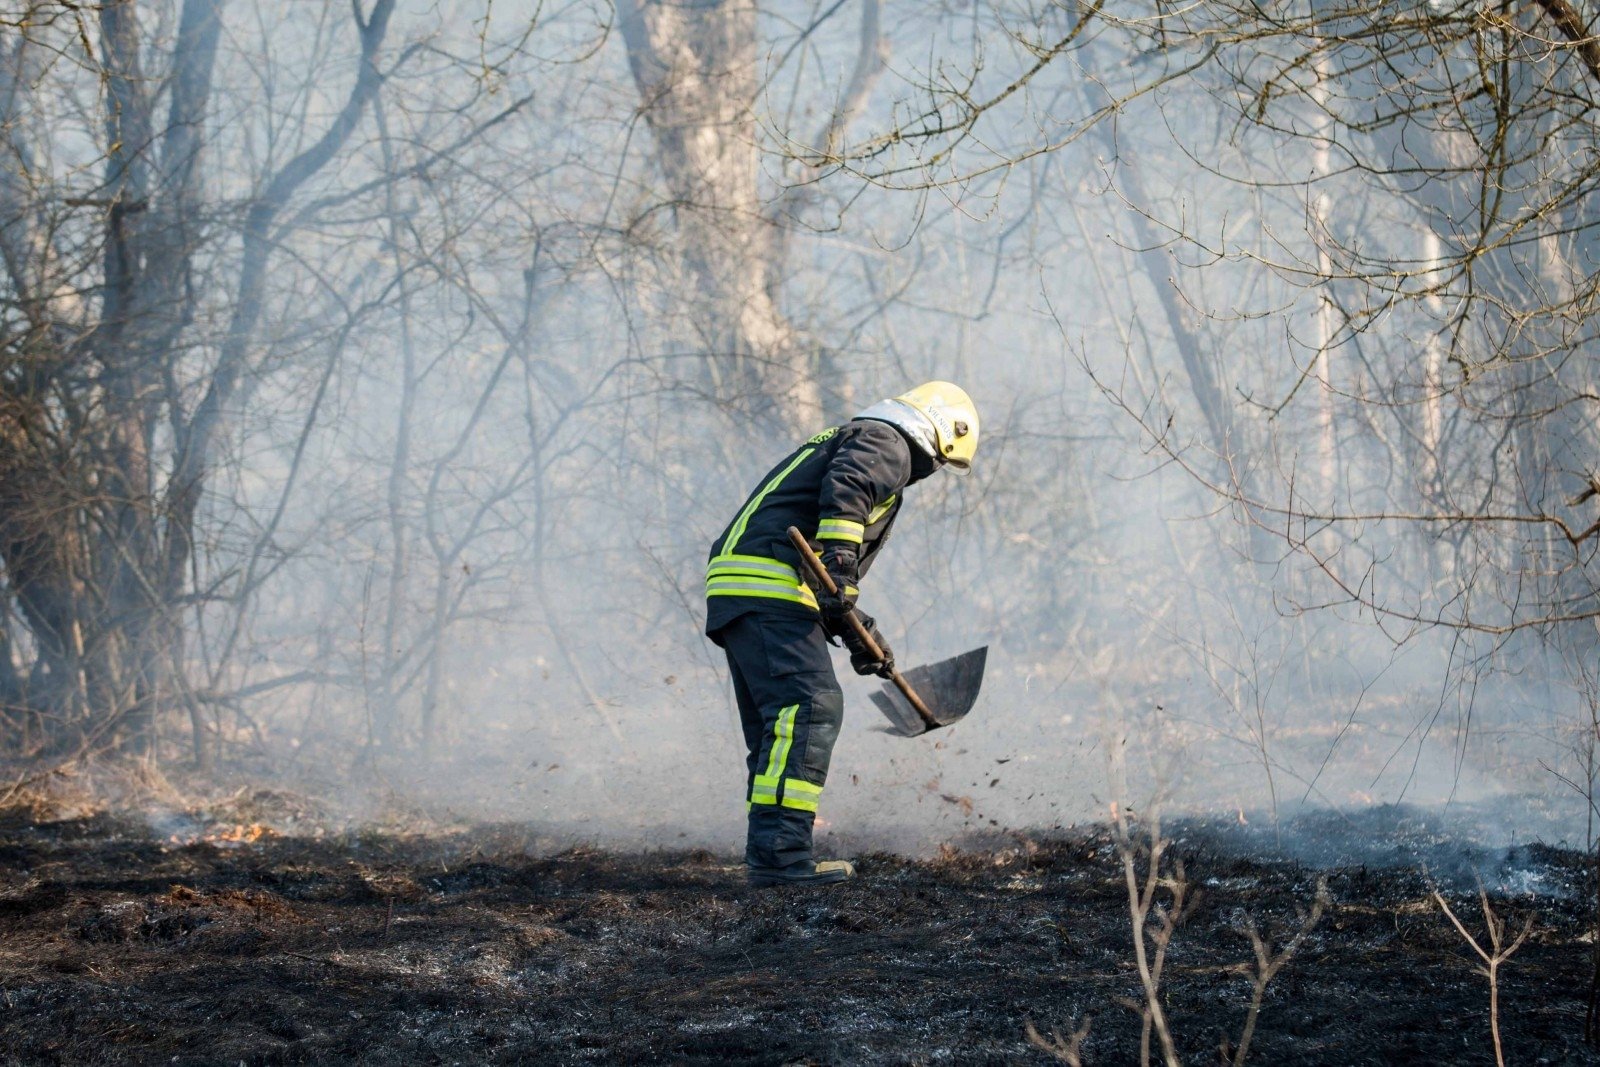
(786, 790)
(801, 794)
(764, 787)
(781, 784)
(778, 663)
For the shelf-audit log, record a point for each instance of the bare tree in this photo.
(696, 66)
(112, 402)
(701, 81)
(1416, 180)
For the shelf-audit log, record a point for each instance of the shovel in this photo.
(953, 683)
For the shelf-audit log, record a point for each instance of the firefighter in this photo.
(845, 488)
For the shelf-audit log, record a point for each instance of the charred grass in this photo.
(118, 946)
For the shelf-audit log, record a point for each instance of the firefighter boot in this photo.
(827, 872)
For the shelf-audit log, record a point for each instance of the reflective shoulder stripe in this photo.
(881, 510)
(840, 530)
(743, 520)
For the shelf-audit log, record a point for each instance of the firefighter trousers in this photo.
(791, 708)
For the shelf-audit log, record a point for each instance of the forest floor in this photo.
(194, 941)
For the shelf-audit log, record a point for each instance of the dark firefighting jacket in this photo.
(843, 486)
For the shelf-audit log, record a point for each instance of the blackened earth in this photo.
(120, 947)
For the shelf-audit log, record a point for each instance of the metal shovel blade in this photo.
(949, 688)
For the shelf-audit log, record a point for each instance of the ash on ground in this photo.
(122, 944)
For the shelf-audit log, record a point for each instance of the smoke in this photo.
(1205, 700)
(452, 558)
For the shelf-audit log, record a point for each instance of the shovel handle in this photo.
(824, 579)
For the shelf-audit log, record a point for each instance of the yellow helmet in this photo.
(946, 410)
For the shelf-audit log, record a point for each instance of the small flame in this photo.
(231, 835)
(245, 834)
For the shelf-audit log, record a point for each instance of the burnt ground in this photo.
(118, 946)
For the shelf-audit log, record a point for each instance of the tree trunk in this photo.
(695, 63)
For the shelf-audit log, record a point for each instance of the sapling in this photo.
(1499, 952)
(1068, 1050)
(1268, 964)
(1150, 959)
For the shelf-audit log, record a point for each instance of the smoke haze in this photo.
(450, 548)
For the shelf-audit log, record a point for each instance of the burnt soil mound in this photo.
(118, 946)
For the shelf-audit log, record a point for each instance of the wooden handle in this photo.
(824, 579)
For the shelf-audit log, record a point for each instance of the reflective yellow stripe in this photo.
(764, 790)
(766, 588)
(760, 566)
(798, 793)
(880, 511)
(840, 530)
(783, 738)
(757, 576)
(801, 794)
(743, 520)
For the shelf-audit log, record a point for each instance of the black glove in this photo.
(840, 560)
(862, 661)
